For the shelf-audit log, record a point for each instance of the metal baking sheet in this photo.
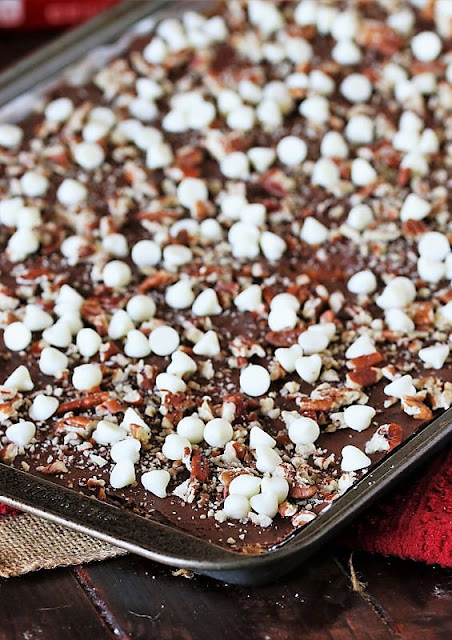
(20, 88)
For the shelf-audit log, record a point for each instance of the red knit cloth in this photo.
(415, 522)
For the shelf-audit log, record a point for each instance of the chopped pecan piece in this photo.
(366, 361)
(86, 402)
(414, 228)
(93, 313)
(284, 338)
(414, 407)
(298, 491)
(378, 36)
(156, 280)
(365, 377)
(200, 468)
(53, 468)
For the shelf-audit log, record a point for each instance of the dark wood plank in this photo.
(414, 599)
(50, 605)
(147, 600)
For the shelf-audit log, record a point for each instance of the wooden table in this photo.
(138, 599)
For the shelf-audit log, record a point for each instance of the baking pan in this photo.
(176, 548)
(19, 88)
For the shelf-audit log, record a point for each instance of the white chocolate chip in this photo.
(43, 407)
(21, 433)
(59, 110)
(414, 208)
(22, 244)
(218, 432)
(141, 308)
(208, 345)
(363, 282)
(313, 342)
(236, 507)
(313, 231)
(164, 340)
(400, 387)
(250, 299)
(362, 172)
(159, 156)
(431, 270)
(17, 336)
(434, 246)
(176, 255)
(156, 481)
(281, 318)
(59, 334)
(235, 165)
(146, 253)
(174, 446)
(346, 52)
(261, 158)
(303, 431)
(245, 485)
(354, 459)
(434, 356)
(333, 145)
(291, 150)
(287, 356)
(122, 474)
(181, 364)
(88, 342)
(120, 324)
(426, 46)
(86, 376)
(273, 246)
(89, 155)
(192, 428)
(325, 173)
(398, 320)
(260, 437)
(316, 109)
(137, 345)
(116, 245)
(360, 129)
(309, 367)
(398, 293)
(71, 192)
(52, 362)
(190, 191)
(358, 417)
(180, 295)
(267, 459)
(206, 304)
(265, 504)
(254, 380)
(360, 216)
(10, 135)
(108, 432)
(356, 88)
(19, 379)
(9, 210)
(34, 184)
(116, 274)
(126, 449)
(171, 383)
(132, 417)
(362, 346)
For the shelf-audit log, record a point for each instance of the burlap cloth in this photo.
(28, 543)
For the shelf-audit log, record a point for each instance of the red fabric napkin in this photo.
(414, 521)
